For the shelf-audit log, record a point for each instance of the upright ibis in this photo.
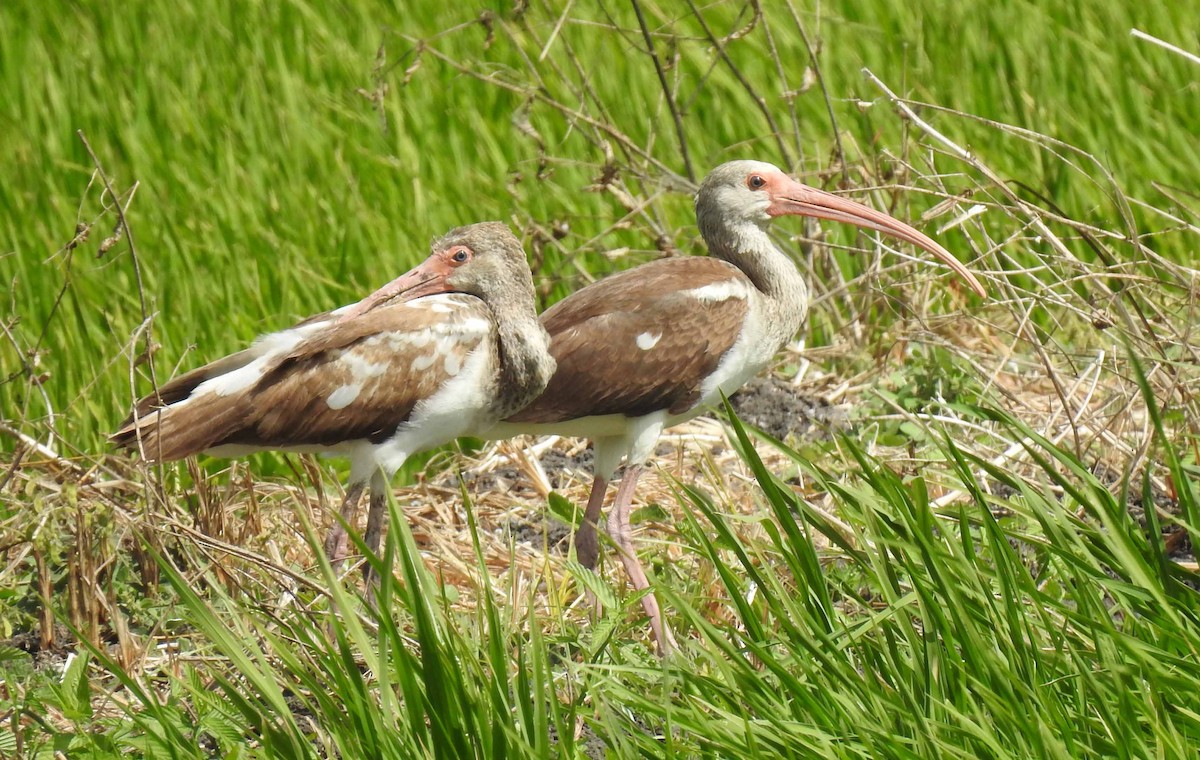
(654, 345)
(443, 351)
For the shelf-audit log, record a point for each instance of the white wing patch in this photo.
(398, 340)
(719, 291)
(286, 340)
(442, 341)
(233, 382)
(647, 341)
(422, 363)
(458, 407)
(361, 369)
(343, 396)
(266, 348)
(476, 326)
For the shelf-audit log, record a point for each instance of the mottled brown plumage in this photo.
(690, 337)
(287, 406)
(444, 351)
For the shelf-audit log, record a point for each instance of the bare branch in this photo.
(666, 88)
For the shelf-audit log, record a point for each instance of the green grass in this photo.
(270, 188)
(1053, 632)
(291, 156)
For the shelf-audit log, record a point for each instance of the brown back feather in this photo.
(593, 338)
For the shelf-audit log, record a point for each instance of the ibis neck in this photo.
(784, 292)
(523, 349)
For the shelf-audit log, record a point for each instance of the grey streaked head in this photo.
(737, 200)
(733, 202)
(484, 260)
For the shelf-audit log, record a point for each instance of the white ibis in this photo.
(444, 351)
(653, 346)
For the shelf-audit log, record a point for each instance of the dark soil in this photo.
(1175, 539)
(504, 479)
(592, 746)
(542, 531)
(560, 468)
(49, 658)
(779, 409)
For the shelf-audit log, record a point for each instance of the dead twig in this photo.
(680, 134)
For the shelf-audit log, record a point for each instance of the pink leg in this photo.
(337, 543)
(587, 546)
(622, 535)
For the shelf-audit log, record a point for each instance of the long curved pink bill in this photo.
(802, 200)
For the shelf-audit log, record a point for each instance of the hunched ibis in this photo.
(443, 351)
(653, 346)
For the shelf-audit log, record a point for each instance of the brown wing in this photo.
(640, 341)
(352, 380)
(181, 387)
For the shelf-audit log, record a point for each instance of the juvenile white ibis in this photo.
(653, 346)
(443, 351)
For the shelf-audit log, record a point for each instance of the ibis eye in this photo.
(756, 182)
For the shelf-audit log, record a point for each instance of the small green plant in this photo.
(930, 376)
